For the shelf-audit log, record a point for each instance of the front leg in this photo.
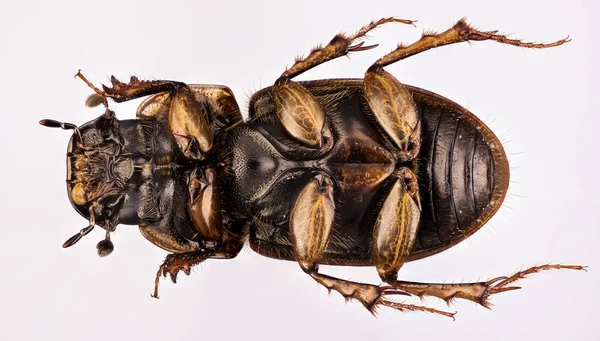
(176, 262)
(174, 102)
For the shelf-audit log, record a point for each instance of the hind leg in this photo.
(478, 292)
(311, 220)
(392, 103)
(396, 112)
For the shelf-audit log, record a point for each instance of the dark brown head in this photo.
(106, 166)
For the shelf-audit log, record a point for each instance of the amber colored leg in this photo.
(371, 296)
(221, 100)
(230, 246)
(176, 262)
(311, 220)
(122, 92)
(299, 112)
(187, 118)
(460, 32)
(338, 47)
(396, 225)
(477, 292)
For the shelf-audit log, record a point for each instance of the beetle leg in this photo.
(460, 32)
(204, 206)
(371, 296)
(297, 109)
(478, 292)
(396, 226)
(339, 46)
(175, 262)
(187, 117)
(311, 220)
(395, 111)
(392, 103)
(219, 99)
(122, 92)
(300, 113)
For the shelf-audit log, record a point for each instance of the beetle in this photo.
(356, 172)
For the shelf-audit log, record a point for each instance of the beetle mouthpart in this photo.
(73, 240)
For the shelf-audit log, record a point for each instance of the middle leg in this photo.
(299, 112)
(391, 102)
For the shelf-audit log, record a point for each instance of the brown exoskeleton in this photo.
(359, 172)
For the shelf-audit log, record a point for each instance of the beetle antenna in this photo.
(63, 125)
(105, 247)
(71, 241)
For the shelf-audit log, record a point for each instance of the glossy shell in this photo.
(462, 171)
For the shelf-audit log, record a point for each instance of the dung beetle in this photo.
(355, 172)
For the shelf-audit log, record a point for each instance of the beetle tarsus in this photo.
(499, 284)
(176, 262)
(371, 296)
(339, 46)
(411, 307)
(460, 32)
(359, 47)
(478, 292)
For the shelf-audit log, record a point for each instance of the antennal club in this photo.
(105, 247)
(65, 126)
(56, 124)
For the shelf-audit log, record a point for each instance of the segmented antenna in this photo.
(73, 240)
(105, 247)
(63, 125)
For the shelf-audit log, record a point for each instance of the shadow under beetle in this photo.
(359, 172)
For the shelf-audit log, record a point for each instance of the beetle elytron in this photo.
(339, 171)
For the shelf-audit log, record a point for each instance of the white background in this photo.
(538, 102)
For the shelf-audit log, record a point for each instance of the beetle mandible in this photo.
(358, 172)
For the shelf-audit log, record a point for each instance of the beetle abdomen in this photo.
(463, 175)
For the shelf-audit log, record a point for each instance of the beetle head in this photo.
(99, 174)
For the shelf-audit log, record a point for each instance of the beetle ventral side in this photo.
(356, 172)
